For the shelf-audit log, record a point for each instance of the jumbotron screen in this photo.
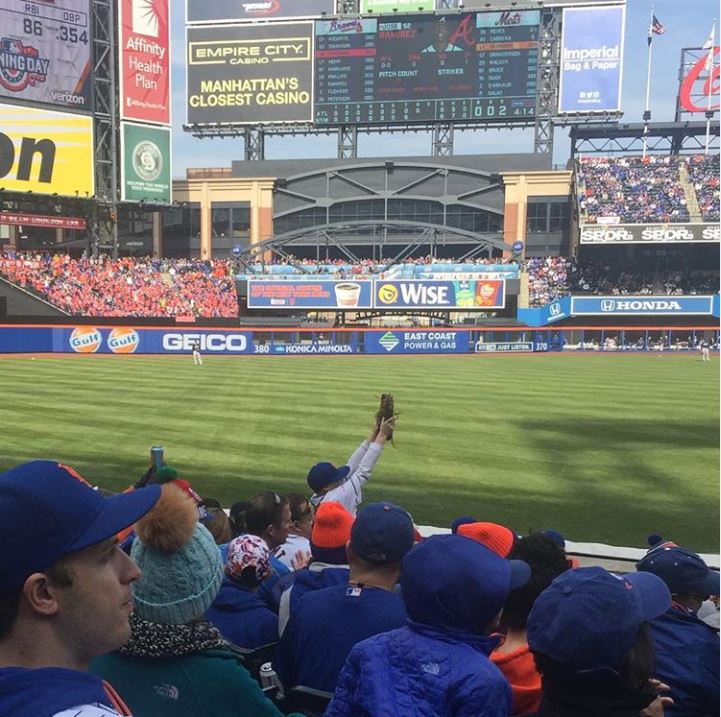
(467, 66)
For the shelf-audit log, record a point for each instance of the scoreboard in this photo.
(419, 68)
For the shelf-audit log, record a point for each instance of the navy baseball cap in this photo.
(49, 511)
(682, 570)
(323, 474)
(587, 619)
(382, 533)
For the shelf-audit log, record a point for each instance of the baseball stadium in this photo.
(464, 256)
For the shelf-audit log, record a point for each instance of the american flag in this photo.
(657, 27)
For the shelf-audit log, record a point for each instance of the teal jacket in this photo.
(212, 683)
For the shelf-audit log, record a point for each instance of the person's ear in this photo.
(41, 594)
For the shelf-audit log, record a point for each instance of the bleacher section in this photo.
(652, 189)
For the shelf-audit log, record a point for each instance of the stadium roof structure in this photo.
(401, 205)
(661, 137)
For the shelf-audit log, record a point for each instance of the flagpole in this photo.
(647, 110)
(709, 113)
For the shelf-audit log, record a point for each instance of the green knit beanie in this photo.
(181, 564)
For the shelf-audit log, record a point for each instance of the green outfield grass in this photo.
(604, 448)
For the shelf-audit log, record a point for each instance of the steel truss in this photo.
(104, 226)
(668, 138)
(400, 239)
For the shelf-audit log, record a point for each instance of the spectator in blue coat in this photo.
(327, 623)
(687, 649)
(589, 634)
(330, 535)
(240, 616)
(437, 665)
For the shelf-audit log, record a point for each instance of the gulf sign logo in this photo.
(123, 341)
(85, 340)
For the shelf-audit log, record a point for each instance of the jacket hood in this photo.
(231, 596)
(454, 584)
(48, 690)
(325, 578)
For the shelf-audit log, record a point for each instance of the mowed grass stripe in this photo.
(604, 448)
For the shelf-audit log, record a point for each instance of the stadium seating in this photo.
(652, 189)
(126, 286)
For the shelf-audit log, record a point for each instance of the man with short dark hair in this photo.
(687, 649)
(327, 623)
(65, 589)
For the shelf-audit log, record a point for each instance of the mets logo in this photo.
(123, 341)
(21, 65)
(85, 340)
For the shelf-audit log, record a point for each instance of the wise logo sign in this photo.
(420, 293)
(123, 341)
(85, 340)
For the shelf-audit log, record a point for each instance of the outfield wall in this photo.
(100, 339)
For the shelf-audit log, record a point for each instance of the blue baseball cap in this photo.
(382, 533)
(323, 474)
(49, 511)
(587, 619)
(682, 570)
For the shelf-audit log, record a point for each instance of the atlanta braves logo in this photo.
(21, 65)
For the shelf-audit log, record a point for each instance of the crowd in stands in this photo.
(651, 189)
(550, 278)
(126, 286)
(703, 172)
(186, 287)
(156, 603)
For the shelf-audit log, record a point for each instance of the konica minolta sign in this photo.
(641, 305)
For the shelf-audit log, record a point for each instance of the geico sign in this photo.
(639, 305)
(667, 234)
(208, 342)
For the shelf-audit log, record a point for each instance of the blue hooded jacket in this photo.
(46, 691)
(242, 617)
(687, 659)
(437, 665)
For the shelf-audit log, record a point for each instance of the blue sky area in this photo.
(687, 22)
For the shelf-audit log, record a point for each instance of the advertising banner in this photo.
(126, 340)
(42, 220)
(650, 233)
(508, 347)
(437, 294)
(416, 342)
(46, 152)
(591, 59)
(45, 52)
(145, 166)
(640, 305)
(250, 74)
(310, 348)
(442, 5)
(377, 7)
(698, 78)
(330, 295)
(239, 10)
(145, 60)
